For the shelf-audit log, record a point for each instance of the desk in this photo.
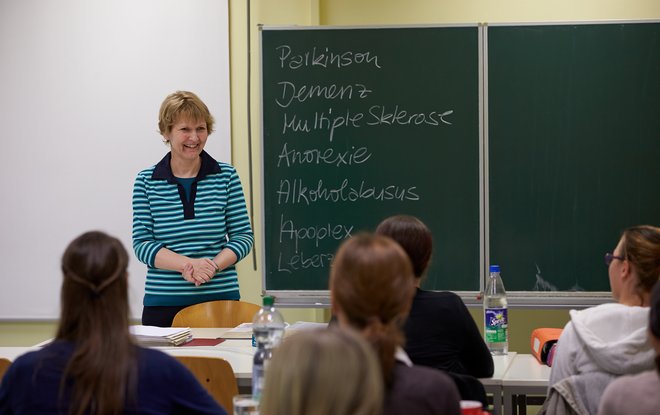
(515, 375)
(238, 352)
(525, 376)
(493, 385)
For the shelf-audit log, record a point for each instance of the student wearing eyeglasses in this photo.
(604, 342)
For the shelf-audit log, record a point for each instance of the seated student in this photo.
(371, 289)
(638, 394)
(93, 366)
(609, 340)
(440, 332)
(323, 372)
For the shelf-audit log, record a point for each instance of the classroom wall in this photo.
(79, 110)
(364, 12)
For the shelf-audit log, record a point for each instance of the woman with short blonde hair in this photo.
(323, 372)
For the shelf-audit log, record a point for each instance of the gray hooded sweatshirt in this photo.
(599, 344)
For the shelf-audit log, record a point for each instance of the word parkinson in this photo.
(324, 58)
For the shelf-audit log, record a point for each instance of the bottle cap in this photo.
(494, 268)
(268, 300)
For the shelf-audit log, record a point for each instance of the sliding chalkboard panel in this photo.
(360, 124)
(574, 141)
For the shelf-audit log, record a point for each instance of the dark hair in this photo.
(414, 237)
(94, 316)
(641, 247)
(372, 284)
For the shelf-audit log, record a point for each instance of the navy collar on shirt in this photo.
(163, 170)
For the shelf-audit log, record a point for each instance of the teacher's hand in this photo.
(199, 271)
(187, 273)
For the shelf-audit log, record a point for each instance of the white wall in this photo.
(81, 83)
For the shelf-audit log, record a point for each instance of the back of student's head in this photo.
(94, 289)
(641, 247)
(371, 286)
(323, 372)
(414, 237)
(94, 317)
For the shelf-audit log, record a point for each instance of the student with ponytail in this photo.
(93, 366)
(371, 289)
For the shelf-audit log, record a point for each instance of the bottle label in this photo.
(496, 325)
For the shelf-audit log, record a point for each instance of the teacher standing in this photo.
(190, 223)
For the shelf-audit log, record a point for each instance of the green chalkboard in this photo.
(363, 123)
(573, 147)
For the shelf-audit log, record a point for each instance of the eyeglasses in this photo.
(611, 257)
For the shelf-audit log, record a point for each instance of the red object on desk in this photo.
(542, 340)
(203, 342)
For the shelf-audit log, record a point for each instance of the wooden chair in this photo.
(224, 313)
(216, 376)
(4, 365)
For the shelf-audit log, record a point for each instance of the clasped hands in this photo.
(199, 270)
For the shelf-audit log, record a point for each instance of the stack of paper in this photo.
(242, 331)
(307, 325)
(299, 326)
(161, 336)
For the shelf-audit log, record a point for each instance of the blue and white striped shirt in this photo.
(214, 218)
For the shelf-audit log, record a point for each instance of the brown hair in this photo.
(413, 236)
(372, 286)
(94, 316)
(641, 247)
(335, 373)
(183, 105)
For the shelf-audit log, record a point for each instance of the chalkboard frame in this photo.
(320, 298)
(535, 299)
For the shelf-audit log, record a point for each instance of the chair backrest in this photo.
(225, 313)
(216, 376)
(4, 365)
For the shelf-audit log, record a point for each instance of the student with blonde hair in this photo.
(93, 366)
(371, 289)
(323, 372)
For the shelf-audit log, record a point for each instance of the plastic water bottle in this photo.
(259, 363)
(496, 318)
(267, 333)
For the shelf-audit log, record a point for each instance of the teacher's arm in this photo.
(195, 270)
(240, 237)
